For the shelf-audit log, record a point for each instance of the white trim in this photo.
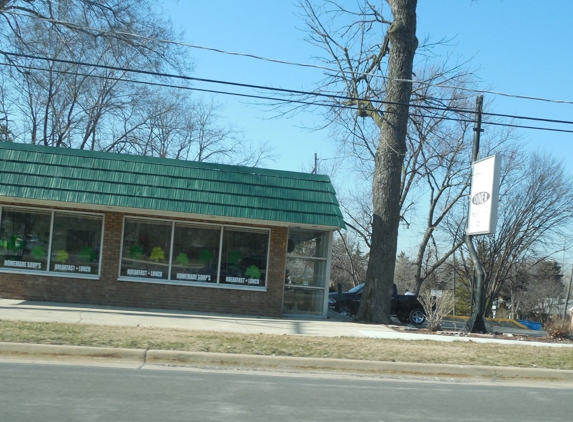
(311, 258)
(191, 284)
(170, 214)
(327, 275)
(63, 274)
(171, 257)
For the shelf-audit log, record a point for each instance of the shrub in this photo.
(436, 307)
(559, 328)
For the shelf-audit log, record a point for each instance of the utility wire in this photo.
(284, 91)
(276, 99)
(278, 61)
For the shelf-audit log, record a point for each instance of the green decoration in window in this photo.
(182, 259)
(62, 256)
(206, 256)
(234, 257)
(136, 252)
(157, 254)
(253, 272)
(87, 254)
(38, 252)
(14, 243)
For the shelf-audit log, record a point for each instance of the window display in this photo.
(202, 253)
(244, 257)
(196, 253)
(76, 243)
(25, 238)
(146, 249)
(52, 241)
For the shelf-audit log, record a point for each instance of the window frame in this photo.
(326, 259)
(190, 283)
(48, 271)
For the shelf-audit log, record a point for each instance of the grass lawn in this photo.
(426, 351)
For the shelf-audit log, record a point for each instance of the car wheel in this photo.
(346, 311)
(417, 316)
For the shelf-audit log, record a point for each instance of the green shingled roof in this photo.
(127, 181)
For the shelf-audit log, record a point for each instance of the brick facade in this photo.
(109, 291)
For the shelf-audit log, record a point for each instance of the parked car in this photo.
(406, 308)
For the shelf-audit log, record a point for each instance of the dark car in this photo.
(406, 308)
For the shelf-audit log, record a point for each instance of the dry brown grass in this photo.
(459, 353)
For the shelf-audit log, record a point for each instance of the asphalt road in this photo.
(52, 392)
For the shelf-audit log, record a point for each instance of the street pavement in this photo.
(335, 326)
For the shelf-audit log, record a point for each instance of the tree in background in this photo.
(71, 84)
(544, 290)
(349, 263)
(404, 274)
(536, 205)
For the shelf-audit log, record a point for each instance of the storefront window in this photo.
(303, 301)
(25, 239)
(76, 243)
(146, 249)
(307, 272)
(304, 272)
(196, 253)
(244, 257)
(202, 253)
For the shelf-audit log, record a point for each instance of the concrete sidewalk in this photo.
(336, 326)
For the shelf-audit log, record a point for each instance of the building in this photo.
(120, 230)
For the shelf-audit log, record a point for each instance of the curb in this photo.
(64, 352)
(283, 363)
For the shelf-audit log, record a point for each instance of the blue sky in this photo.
(517, 47)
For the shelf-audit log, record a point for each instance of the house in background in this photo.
(120, 230)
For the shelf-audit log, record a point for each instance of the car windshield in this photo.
(356, 289)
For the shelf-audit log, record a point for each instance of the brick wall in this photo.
(109, 291)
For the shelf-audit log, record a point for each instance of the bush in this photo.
(558, 328)
(436, 308)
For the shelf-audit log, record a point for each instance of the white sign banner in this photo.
(484, 196)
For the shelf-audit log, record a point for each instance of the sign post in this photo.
(482, 217)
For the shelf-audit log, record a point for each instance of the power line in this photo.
(266, 98)
(274, 89)
(279, 61)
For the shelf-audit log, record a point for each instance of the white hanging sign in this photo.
(484, 195)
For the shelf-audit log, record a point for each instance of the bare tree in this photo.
(544, 290)
(358, 51)
(349, 262)
(536, 204)
(71, 69)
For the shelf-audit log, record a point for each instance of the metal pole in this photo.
(568, 295)
(477, 322)
(454, 277)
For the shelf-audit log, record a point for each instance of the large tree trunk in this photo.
(376, 299)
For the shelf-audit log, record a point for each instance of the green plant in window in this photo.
(234, 257)
(206, 256)
(253, 272)
(157, 254)
(38, 252)
(136, 252)
(87, 254)
(182, 259)
(62, 256)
